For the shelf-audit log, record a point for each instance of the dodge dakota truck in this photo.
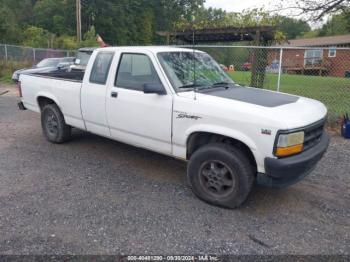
(179, 102)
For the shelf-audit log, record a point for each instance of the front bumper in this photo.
(287, 171)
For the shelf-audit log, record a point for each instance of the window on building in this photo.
(313, 57)
(101, 67)
(332, 51)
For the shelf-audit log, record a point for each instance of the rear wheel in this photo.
(221, 174)
(54, 127)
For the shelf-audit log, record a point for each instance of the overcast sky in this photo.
(239, 5)
(236, 5)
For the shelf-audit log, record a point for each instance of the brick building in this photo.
(322, 56)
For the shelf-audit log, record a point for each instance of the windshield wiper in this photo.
(225, 85)
(189, 86)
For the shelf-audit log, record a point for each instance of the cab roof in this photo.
(153, 49)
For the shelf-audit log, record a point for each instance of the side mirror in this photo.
(154, 88)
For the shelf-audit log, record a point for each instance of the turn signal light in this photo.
(290, 150)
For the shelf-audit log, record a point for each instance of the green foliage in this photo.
(6, 79)
(89, 38)
(337, 25)
(7, 69)
(311, 34)
(230, 56)
(202, 18)
(66, 42)
(51, 23)
(56, 16)
(219, 18)
(253, 17)
(9, 30)
(35, 37)
(293, 28)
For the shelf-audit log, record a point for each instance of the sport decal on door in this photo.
(182, 115)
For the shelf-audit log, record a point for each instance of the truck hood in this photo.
(290, 110)
(253, 96)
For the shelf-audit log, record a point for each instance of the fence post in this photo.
(280, 70)
(6, 57)
(34, 58)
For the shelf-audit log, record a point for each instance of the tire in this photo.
(221, 174)
(54, 127)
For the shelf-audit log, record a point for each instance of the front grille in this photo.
(313, 134)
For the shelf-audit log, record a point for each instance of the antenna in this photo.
(194, 60)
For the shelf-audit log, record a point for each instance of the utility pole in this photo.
(78, 15)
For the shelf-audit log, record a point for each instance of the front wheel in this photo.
(54, 127)
(221, 174)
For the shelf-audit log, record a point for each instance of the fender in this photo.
(47, 95)
(221, 130)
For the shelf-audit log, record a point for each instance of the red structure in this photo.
(321, 56)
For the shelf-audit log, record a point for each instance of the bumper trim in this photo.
(287, 171)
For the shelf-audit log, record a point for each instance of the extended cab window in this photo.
(101, 67)
(134, 71)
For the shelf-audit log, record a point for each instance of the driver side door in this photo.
(135, 117)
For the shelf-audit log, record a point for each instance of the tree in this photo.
(293, 28)
(317, 9)
(56, 16)
(66, 42)
(89, 38)
(311, 34)
(9, 29)
(336, 25)
(35, 37)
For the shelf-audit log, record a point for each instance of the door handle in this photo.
(114, 94)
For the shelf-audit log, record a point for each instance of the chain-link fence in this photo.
(318, 73)
(12, 53)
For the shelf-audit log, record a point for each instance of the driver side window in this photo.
(134, 71)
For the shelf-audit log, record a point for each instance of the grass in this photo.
(6, 79)
(334, 92)
(7, 69)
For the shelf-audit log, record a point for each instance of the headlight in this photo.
(289, 144)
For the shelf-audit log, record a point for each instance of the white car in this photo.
(179, 102)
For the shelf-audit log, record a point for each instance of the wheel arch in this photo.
(43, 99)
(201, 137)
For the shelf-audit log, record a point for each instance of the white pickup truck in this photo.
(179, 102)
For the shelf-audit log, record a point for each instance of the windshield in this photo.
(187, 70)
(82, 58)
(50, 62)
(67, 60)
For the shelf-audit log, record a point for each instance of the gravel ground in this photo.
(96, 196)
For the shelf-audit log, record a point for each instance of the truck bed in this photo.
(63, 88)
(73, 75)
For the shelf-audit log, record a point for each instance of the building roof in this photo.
(223, 34)
(319, 41)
